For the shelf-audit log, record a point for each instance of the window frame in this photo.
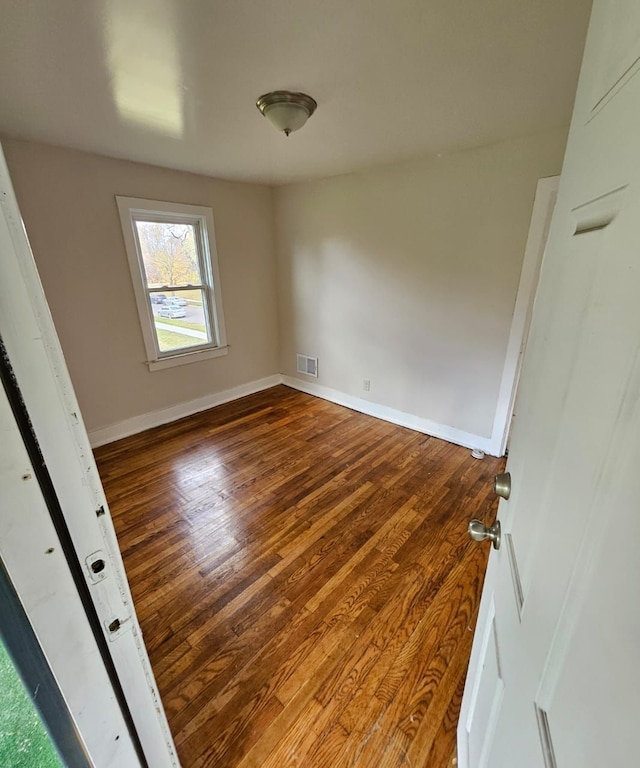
(133, 209)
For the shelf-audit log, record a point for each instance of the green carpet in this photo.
(24, 741)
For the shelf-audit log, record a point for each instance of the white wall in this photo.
(407, 275)
(67, 200)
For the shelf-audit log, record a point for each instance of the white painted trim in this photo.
(166, 415)
(42, 376)
(543, 205)
(33, 556)
(173, 413)
(417, 423)
(187, 357)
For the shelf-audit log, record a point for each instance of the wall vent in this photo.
(307, 365)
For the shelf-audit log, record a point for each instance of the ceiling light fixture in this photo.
(287, 111)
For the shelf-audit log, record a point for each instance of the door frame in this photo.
(543, 205)
(42, 377)
(44, 621)
(30, 663)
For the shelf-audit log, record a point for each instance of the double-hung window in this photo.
(174, 267)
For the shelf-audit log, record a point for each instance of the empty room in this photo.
(321, 384)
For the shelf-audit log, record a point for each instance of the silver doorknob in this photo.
(502, 485)
(479, 532)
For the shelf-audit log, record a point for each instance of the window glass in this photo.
(169, 253)
(179, 318)
(173, 263)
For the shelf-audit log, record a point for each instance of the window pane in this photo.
(169, 253)
(179, 318)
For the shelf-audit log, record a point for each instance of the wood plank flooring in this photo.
(304, 581)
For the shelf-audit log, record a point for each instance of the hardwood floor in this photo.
(304, 581)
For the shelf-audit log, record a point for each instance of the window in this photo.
(174, 267)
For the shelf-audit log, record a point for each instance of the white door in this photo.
(39, 370)
(554, 678)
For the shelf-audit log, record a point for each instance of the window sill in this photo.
(186, 357)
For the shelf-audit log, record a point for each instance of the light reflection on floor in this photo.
(189, 476)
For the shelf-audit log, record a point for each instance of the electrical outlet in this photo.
(366, 385)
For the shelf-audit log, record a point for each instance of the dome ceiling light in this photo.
(287, 111)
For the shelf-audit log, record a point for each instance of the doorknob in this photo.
(502, 485)
(479, 532)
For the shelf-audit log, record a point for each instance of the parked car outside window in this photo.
(177, 300)
(158, 298)
(171, 311)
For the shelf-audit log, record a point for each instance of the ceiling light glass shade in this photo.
(287, 111)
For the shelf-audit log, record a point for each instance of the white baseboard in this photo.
(417, 423)
(155, 418)
(166, 415)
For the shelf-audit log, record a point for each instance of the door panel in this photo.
(618, 53)
(563, 585)
(601, 606)
(610, 685)
(486, 699)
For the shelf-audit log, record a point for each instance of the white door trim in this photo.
(34, 559)
(543, 205)
(41, 374)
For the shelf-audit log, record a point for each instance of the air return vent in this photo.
(308, 365)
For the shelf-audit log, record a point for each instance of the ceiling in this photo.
(174, 82)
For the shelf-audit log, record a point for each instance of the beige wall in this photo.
(67, 202)
(407, 275)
